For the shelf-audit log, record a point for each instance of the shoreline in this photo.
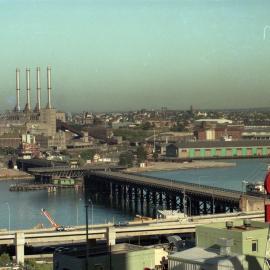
(11, 174)
(171, 166)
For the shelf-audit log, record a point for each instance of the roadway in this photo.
(45, 237)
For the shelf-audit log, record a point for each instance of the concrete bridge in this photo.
(145, 195)
(111, 233)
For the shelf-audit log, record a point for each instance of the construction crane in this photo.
(57, 227)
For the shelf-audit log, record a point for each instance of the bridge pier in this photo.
(110, 236)
(141, 201)
(144, 195)
(136, 199)
(19, 246)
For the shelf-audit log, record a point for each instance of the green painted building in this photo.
(236, 245)
(219, 149)
(63, 181)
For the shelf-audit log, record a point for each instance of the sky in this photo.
(113, 55)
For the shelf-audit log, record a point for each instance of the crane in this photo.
(57, 227)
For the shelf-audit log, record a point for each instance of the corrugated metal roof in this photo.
(216, 144)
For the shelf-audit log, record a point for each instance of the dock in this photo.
(34, 187)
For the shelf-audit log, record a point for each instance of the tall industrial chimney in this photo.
(37, 108)
(28, 104)
(17, 107)
(49, 105)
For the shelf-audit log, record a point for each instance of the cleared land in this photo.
(171, 166)
(8, 174)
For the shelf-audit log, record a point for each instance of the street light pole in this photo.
(87, 201)
(8, 206)
(8, 215)
(244, 183)
(86, 227)
(92, 211)
(184, 202)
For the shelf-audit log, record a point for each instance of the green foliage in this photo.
(126, 159)
(31, 264)
(133, 135)
(155, 156)
(4, 259)
(141, 154)
(87, 154)
(8, 151)
(147, 126)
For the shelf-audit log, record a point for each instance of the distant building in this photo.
(219, 149)
(38, 121)
(100, 132)
(61, 116)
(237, 245)
(10, 140)
(213, 131)
(213, 121)
(256, 133)
(29, 148)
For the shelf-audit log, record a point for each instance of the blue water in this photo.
(230, 177)
(67, 206)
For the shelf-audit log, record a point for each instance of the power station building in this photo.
(38, 121)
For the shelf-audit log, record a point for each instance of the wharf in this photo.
(33, 187)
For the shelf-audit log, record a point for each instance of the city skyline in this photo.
(123, 55)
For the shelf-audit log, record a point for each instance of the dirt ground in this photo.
(169, 166)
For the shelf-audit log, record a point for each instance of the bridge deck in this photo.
(176, 186)
(56, 169)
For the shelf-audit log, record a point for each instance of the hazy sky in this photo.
(129, 54)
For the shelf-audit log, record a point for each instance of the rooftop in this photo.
(101, 250)
(209, 144)
(203, 256)
(238, 225)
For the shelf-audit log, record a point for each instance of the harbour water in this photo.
(67, 206)
(230, 177)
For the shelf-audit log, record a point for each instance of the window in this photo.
(254, 246)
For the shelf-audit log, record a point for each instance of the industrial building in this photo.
(119, 256)
(219, 149)
(228, 245)
(38, 121)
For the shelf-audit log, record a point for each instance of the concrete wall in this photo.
(207, 237)
(133, 260)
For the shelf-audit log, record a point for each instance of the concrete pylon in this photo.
(19, 243)
(111, 236)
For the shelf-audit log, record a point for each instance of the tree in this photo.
(31, 264)
(155, 156)
(4, 259)
(146, 126)
(141, 154)
(87, 154)
(126, 159)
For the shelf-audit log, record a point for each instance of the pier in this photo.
(145, 195)
(44, 174)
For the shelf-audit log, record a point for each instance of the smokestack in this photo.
(28, 104)
(37, 109)
(17, 107)
(49, 105)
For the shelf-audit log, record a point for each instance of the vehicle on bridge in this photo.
(59, 228)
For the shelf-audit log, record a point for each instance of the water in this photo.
(67, 206)
(229, 177)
